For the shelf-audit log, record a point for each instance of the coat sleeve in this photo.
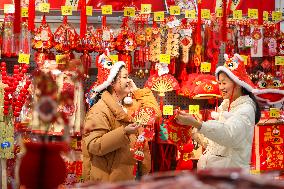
(101, 139)
(146, 98)
(234, 130)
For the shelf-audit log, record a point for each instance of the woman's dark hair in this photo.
(109, 89)
(257, 108)
(246, 92)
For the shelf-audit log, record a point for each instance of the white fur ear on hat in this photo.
(239, 57)
(226, 57)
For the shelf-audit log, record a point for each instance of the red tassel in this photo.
(260, 13)
(224, 19)
(31, 15)
(198, 28)
(83, 24)
(17, 20)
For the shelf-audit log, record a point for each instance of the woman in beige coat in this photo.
(109, 131)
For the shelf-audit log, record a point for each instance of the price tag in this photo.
(146, 8)
(114, 58)
(245, 58)
(59, 59)
(279, 60)
(159, 16)
(25, 12)
(205, 13)
(274, 112)
(9, 8)
(66, 10)
(276, 16)
(106, 9)
(165, 58)
(193, 109)
(168, 110)
(73, 3)
(89, 10)
(205, 67)
(24, 58)
(190, 14)
(174, 10)
(73, 143)
(265, 15)
(44, 7)
(129, 11)
(238, 14)
(219, 12)
(253, 13)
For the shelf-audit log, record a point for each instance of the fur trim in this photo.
(257, 92)
(233, 77)
(113, 72)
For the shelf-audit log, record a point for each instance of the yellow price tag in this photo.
(190, 14)
(265, 15)
(165, 58)
(25, 12)
(59, 59)
(253, 13)
(159, 16)
(219, 12)
(9, 8)
(89, 10)
(276, 16)
(205, 13)
(238, 14)
(245, 58)
(114, 58)
(146, 8)
(66, 10)
(129, 11)
(44, 7)
(205, 67)
(174, 10)
(274, 112)
(279, 60)
(106, 9)
(73, 143)
(168, 110)
(193, 109)
(24, 58)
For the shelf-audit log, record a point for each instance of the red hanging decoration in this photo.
(31, 15)
(83, 23)
(224, 19)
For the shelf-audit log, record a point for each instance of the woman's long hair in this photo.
(257, 108)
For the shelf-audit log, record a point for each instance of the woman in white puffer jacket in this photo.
(230, 135)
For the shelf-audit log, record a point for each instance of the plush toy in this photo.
(185, 163)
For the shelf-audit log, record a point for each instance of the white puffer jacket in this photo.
(230, 135)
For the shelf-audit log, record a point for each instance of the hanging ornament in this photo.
(162, 84)
(8, 36)
(25, 39)
(256, 50)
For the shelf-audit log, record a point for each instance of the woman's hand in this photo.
(131, 128)
(132, 85)
(184, 118)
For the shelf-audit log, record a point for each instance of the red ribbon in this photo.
(31, 23)
(260, 13)
(17, 20)
(198, 28)
(83, 24)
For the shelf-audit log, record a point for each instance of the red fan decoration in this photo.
(162, 84)
(145, 116)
